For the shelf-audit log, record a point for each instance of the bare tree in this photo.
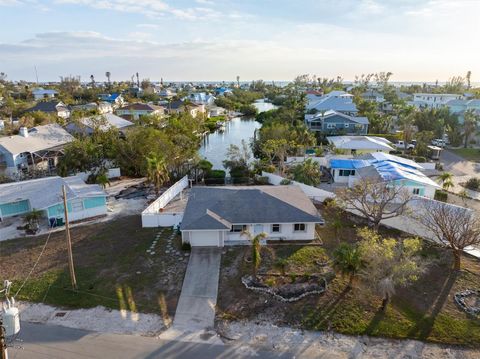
(375, 199)
(453, 226)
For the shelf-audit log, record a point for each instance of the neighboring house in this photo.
(433, 100)
(384, 167)
(214, 111)
(223, 91)
(459, 107)
(333, 122)
(167, 93)
(360, 144)
(38, 148)
(57, 108)
(102, 107)
(372, 95)
(216, 216)
(313, 95)
(115, 99)
(339, 101)
(201, 98)
(177, 107)
(87, 125)
(45, 194)
(40, 94)
(135, 110)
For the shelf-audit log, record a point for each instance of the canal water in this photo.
(215, 145)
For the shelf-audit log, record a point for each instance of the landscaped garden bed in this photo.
(425, 310)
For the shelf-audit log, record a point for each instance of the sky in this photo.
(213, 40)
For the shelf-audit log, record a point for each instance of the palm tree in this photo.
(92, 79)
(108, 74)
(256, 249)
(348, 260)
(307, 172)
(446, 179)
(470, 122)
(157, 172)
(102, 179)
(32, 218)
(406, 123)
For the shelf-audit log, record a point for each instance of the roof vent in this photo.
(23, 132)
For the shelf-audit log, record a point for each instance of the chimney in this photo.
(23, 132)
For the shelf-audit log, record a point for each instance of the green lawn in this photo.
(111, 264)
(470, 154)
(424, 310)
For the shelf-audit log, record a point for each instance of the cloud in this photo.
(205, 2)
(148, 26)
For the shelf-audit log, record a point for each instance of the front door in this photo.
(258, 228)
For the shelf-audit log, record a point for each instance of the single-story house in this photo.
(115, 99)
(101, 107)
(381, 166)
(40, 93)
(372, 95)
(37, 148)
(360, 144)
(57, 108)
(333, 122)
(179, 106)
(104, 122)
(217, 216)
(45, 194)
(214, 111)
(135, 110)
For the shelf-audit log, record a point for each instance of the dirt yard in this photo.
(112, 266)
(425, 310)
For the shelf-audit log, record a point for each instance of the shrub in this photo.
(270, 282)
(420, 159)
(319, 152)
(441, 196)
(261, 180)
(327, 201)
(186, 246)
(285, 182)
(473, 183)
(216, 174)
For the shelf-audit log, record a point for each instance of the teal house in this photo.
(45, 194)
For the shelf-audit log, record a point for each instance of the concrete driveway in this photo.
(196, 306)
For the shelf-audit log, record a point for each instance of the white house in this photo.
(40, 94)
(87, 125)
(57, 108)
(37, 148)
(434, 100)
(45, 194)
(381, 166)
(202, 98)
(360, 144)
(135, 110)
(217, 216)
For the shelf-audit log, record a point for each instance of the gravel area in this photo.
(98, 319)
(253, 336)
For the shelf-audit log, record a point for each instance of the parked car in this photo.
(438, 142)
(401, 145)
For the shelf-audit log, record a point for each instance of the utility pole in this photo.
(69, 242)
(3, 343)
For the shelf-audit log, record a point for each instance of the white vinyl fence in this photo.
(153, 216)
(316, 194)
(111, 173)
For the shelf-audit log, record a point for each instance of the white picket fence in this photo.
(152, 215)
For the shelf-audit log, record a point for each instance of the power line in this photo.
(35, 265)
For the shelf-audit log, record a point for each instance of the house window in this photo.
(238, 228)
(275, 228)
(299, 227)
(416, 191)
(331, 125)
(346, 173)
(346, 125)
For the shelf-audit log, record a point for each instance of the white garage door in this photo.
(204, 238)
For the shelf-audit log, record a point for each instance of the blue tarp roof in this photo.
(348, 163)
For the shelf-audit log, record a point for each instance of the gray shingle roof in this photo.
(218, 208)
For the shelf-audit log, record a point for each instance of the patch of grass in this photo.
(111, 265)
(470, 154)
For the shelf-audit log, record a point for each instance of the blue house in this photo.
(335, 123)
(83, 201)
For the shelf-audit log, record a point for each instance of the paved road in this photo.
(196, 306)
(41, 341)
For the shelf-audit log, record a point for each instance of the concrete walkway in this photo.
(195, 314)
